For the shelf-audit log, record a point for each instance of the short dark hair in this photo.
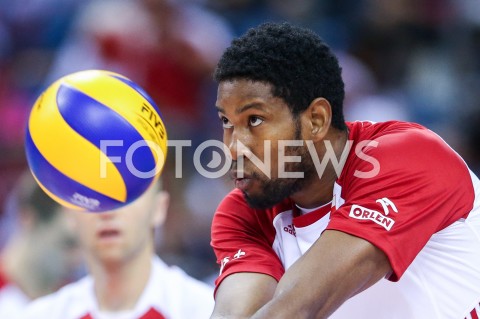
(299, 65)
(29, 196)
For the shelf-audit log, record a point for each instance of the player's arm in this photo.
(250, 269)
(335, 268)
(240, 295)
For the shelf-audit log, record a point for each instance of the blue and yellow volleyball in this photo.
(95, 141)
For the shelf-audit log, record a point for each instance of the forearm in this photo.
(297, 301)
(319, 282)
(241, 295)
(302, 303)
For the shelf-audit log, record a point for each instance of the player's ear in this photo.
(319, 115)
(161, 203)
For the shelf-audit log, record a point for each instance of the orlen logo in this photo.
(360, 212)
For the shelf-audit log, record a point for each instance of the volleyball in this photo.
(95, 141)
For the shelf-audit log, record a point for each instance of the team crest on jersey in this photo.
(362, 213)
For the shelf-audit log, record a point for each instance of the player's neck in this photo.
(319, 189)
(119, 286)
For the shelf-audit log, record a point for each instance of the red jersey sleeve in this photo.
(242, 239)
(421, 187)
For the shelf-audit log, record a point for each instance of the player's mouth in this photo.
(107, 234)
(242, 179)
(243, 183)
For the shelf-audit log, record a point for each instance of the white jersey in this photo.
(170, 294)
(12, 301)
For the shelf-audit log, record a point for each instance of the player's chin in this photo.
(243, 184)
(252, 187)
(112, 258)
(259, 200)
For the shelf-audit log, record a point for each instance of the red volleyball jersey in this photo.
(403, 189)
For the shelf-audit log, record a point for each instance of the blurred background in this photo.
(416, 60)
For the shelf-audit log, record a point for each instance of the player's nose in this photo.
(237, 146)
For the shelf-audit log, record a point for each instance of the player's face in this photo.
(251, 115)
(120, 235)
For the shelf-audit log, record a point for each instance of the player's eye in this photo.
(255, 121)
(225, 122)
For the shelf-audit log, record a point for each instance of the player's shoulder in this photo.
(392, 131)
(12, 300)
(401, 149)
(179, 278)
(68, 302)
(397, 139)
(361, 130)
(181, 292)
(190, 285)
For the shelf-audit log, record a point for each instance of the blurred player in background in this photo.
(127, 279)
(39, 251)
(357, 219)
